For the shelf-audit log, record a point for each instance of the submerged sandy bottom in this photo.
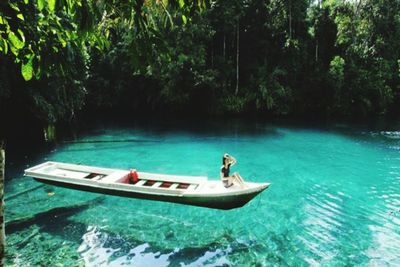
(334, 200)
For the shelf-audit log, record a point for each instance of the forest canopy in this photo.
(61, 58)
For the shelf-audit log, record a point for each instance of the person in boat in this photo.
(227, 180)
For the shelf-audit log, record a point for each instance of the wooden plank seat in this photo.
(156, 184)
(165, 185)
(140, 182)
(174, 186)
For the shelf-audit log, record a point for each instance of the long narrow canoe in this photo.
(190, 190)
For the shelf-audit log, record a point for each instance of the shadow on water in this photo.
(200, 127)
(109, 141)
(49, 217)
(102, 147)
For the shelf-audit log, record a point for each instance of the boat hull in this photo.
(216, 202)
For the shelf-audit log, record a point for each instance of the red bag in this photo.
(133, 176)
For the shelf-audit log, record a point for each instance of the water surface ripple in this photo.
(334, 200)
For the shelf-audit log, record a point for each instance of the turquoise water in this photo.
(334, 200)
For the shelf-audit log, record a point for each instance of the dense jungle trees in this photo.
(277, 57)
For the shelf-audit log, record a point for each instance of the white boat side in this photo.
(192, 190)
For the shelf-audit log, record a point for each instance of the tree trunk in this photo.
(237, 58)
(2, 228)
(290, 20)
(224, 47)
(212, 54)
(357, 10)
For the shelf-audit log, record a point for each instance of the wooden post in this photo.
(2, 226)
(237, 57)
(290, 20)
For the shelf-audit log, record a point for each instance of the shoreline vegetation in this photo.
(61, 61)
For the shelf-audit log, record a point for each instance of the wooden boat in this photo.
(190, 190)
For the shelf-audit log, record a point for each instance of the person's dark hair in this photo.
(223, 159)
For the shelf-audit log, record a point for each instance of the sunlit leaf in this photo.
(181, 3)
(200, 5)
(27, 69)
(5, 47)
(26, 2)
(52, 5)
(62, 40)
(20, 16)
(184, 19)
(14, 6)
(69, 5)
(21, 33)
(41, 4)
(15, 41)
(15, 52)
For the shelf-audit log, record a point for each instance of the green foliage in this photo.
(27, 68)
(271, 93)
(275, 57)
(41, 4)
(50, 47)
(182, 71)
(51, 5)
(336, 70)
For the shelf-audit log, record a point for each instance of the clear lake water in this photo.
(334, 199)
